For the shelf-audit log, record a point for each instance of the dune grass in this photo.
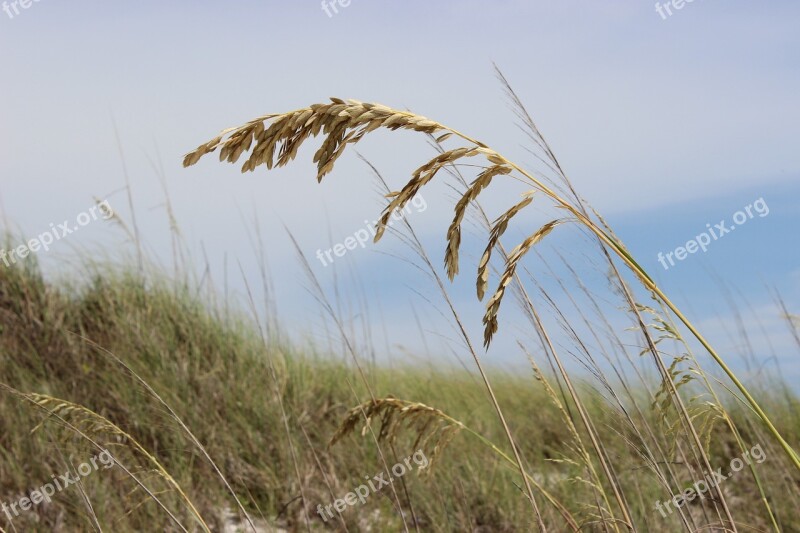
(274, 140)
(217, 423)
(212, 367)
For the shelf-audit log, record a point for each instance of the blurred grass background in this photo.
(213, 367)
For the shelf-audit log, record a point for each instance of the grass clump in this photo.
(218, 424)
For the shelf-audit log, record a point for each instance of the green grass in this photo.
(214, 370)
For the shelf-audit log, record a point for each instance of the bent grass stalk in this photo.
(62, 410)
(175, 416)
(423, 255)
(394, 412)
(347, 122)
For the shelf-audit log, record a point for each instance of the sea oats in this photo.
(89, 425)
(493, 306)
(420, 178)
(345, 122)
(432, 427)
(483, 180)
(498, 228)
(341, 122)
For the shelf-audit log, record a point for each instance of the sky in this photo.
(664, 124)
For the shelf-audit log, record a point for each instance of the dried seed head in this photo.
(493, 305)
(419, 179)
(341, 122)
(274, 140)
(498, 228)
(454, 232)
(433, 428)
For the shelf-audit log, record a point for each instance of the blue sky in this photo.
(663, 125)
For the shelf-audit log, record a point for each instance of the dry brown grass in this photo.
(274, 140)
(347, 122)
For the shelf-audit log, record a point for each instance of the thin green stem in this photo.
(620, 250)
